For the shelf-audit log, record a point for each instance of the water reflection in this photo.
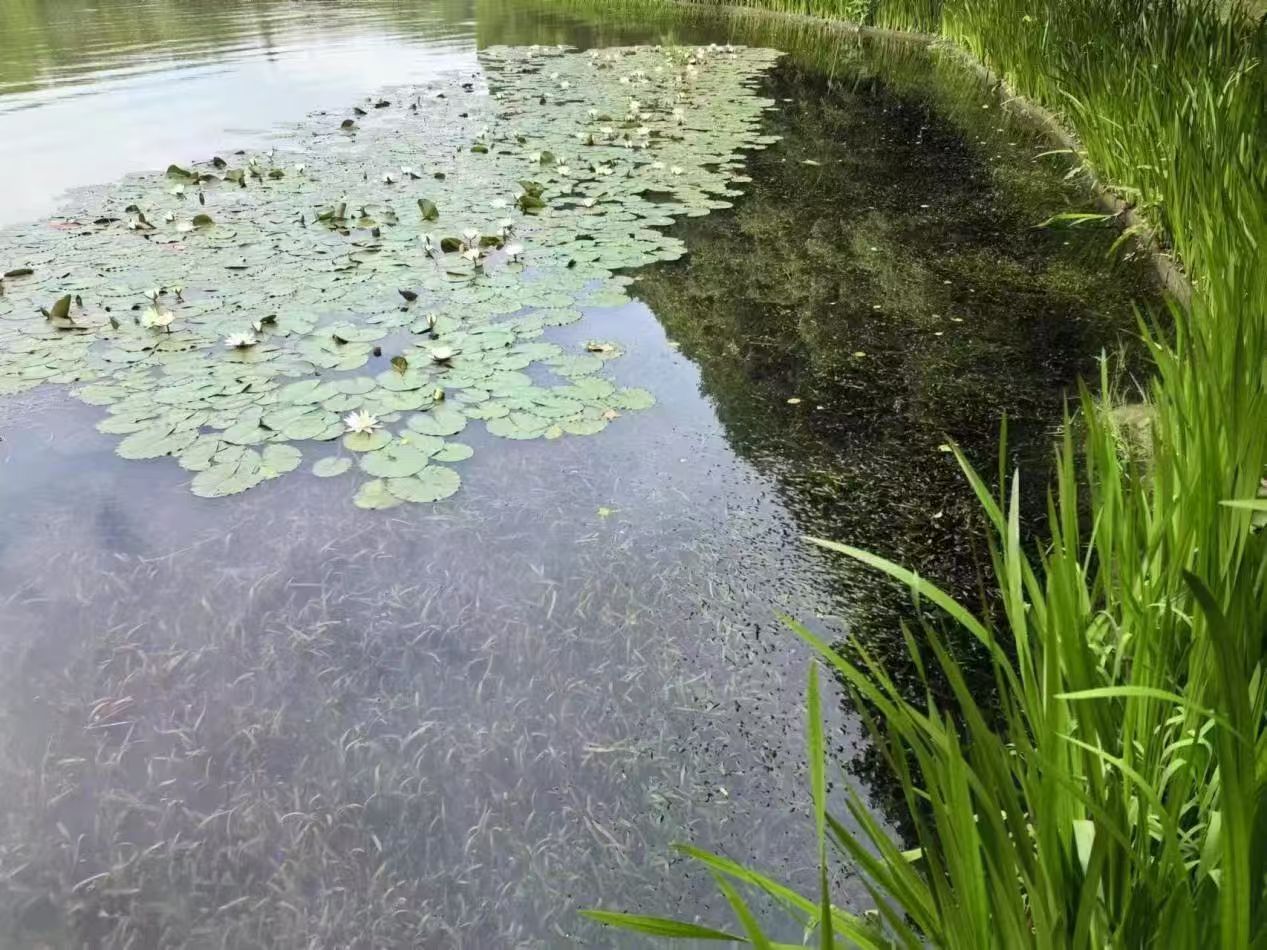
(278, 720)
(93, 89)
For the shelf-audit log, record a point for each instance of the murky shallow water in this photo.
(277, 720)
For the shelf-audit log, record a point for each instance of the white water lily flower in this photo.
(603, 170)
(299, 169)
(593, 113)
(634, 104)
(565, 85)
(642, 130)
(676, 170)
(498, 203)
(514, 250)
(240, 341)
(679, 114)
(563, 170)
(554, 75)
(506, 225)
(158, 318)
(361, 422)
(589, 202)
(442, 354)
(658, 166)
(473, 254)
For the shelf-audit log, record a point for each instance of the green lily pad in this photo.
(433, 483)
(311, 266)
(441, 420)
(454, 452)
(394, 460)
(366, 441)
(331, 466)
(280, 459)
(374, 495)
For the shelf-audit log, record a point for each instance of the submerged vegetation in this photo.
(1111, 791)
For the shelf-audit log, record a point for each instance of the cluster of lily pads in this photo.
(378, 281)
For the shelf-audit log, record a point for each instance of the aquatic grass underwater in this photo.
(1112, 792)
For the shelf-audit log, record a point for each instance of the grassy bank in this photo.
(1116, 795)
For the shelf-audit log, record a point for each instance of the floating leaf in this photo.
(440, 421)
(395, 460)
(279, 459)
(324, 301)
(374, 495)
(331, 466)
(453, 452)
(366, 441)
(60, 309)
(433, 483)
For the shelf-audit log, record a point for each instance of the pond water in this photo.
(278, 719)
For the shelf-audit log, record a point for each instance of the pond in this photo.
(527, 633)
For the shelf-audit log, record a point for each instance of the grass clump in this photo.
(1114, 795)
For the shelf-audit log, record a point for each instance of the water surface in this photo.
(277, 720)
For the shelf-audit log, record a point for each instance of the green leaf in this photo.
(331, 466)
(433, 483)
(366, 441)
(441, 420)
(659, 926)
(395, 460)
(373, 495)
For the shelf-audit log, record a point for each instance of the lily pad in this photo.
(311, 266)
(433, 483)
(331, 466)
(374, 496)
(395, 460)
(366, 441)
(441, 420)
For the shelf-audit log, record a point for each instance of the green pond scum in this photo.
(376, 281)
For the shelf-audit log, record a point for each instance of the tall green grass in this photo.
(1114, 791)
